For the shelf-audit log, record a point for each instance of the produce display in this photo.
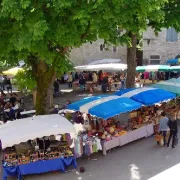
(20, 155)
(107, 129)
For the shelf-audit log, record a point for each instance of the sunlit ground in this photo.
(66, 90)
(14, 91)
(172, 173)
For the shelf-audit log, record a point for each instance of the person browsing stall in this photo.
(173, 130)
(163, 126)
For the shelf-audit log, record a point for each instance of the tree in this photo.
(42, 33)
(133, 21)
(171, 11)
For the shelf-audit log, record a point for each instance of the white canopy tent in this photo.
(107, 67)
(31, 128)
(105, 61)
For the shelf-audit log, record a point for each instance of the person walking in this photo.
(9, 85)
(173, 130)
(56, 88)
(95, 78)
(1, 82)
(70, 80)
(163, 126)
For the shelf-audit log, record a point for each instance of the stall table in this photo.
(38, 167)
(28, 112)
(131, 136)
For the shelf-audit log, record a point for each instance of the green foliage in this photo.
(49, 29)
(4, 66)
(171, 11)
(24, 81)
(134, 17)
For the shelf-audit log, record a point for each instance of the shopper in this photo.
(70, 80)
(95, 78)
(173, 130)
(9, 85)
(1, 82)
(163, 126)
(76, 76)
(82, 82)
(56, 88)
(104, 84)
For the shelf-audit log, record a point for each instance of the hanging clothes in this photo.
(98, 142)
(95, 150)
(78, 149)
(88, 150)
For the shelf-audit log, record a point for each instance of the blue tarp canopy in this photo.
(76, 105)
(173, 61)
(146, 95)
(171, 85)
(105, 106)
(114, 107)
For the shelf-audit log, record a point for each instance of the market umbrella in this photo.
(31, 128)
(13, 71)
(105, 61)
(173, 61)
(152, 68)
(107, 67)
(175, 68)
(146, 95)
(105, 106)
(114, 107)
(76, 106)
(171, 85)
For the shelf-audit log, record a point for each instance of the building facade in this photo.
(156, 49)
(95, 51)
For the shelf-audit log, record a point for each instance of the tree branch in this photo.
(83, 36)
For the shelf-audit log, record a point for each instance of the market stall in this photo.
(104, 67)
(39, 144)
(153, 68)
(173, 61)
(171, 85)
(147, 95)
(107, 116)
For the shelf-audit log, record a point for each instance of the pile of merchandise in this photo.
(39, 149)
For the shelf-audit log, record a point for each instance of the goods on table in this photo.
(28, 152)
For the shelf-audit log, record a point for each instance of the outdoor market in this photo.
(87, 126)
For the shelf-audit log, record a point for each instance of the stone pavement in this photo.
(139, 160)
(66, 94)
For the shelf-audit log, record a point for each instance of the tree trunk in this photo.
(34, 97)
(45, 77)
(131, 62)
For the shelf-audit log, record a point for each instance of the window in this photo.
(114, 48)
(154, 62)
(171, 35)
(155, 59)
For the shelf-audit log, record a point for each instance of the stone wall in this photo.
(91, 52)
(152, 45)
(157, 45)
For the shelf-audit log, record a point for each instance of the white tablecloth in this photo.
(142, 132)
(149, 130)
(110, 144)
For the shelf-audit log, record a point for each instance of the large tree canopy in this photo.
(134, 19)
(42, 32)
